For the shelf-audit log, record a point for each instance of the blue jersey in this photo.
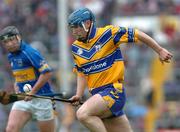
(27, 64)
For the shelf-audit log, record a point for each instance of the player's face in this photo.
(78, 32)
(11, 44)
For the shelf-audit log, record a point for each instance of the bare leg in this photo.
(90, 113)
(117, 124)
(17, 120)
(68, 118)
(47, 126)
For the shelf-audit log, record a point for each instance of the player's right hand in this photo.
(165, 56)
(7, 98)
(75, 100)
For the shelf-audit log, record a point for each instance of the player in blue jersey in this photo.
(99, 66)
(28, 67)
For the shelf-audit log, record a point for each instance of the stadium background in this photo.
(152, 89)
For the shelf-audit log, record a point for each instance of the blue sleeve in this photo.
(37, 60)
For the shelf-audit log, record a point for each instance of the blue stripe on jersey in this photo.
(88, 54)
(92, 33)
(102, 64)
(119, 34)
(130, 35)
(78, 68)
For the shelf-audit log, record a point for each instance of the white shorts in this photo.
(41, 109)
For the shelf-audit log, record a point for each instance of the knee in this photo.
(82, 115)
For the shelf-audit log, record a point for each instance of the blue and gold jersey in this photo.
(100, 59)
(27, 64)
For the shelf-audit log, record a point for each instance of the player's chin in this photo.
(12, 50)
(81, 39)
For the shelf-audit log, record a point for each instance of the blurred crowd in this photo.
(37, 21)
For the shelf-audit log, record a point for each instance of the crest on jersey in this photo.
(19, 62)
(98, 47)
(80, 51)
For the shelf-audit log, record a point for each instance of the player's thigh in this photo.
(95, 106)
(17, 119)
(117, 124)
(47, 126)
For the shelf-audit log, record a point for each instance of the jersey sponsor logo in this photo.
(130, 35)
(24, 75)
(102, 64)
(95, 67)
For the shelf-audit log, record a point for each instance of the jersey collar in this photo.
(92, 32)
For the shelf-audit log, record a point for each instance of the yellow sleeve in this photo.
(135, 35)
(124, 35)
(78, 72)
(77, 68)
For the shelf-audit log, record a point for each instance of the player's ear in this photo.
(88, 23)
(18, 38)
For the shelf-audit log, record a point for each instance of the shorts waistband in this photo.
(96, 90)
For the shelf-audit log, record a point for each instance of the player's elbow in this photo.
(48, 74)
(143, 37)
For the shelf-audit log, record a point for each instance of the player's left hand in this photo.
(75, 100)
(7, 98)
(4, 97)
(165, 56)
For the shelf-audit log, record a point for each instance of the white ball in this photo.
(27, 88)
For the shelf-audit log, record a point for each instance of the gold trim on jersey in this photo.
(44, 67)
(23, 75)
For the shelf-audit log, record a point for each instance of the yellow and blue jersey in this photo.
(27, 64)
(100, 58)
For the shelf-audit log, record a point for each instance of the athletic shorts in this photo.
(115, 95)
(41, 109)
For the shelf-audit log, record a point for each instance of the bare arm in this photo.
(164, 55)
(43, 78)
(16, 88)
(81, 85)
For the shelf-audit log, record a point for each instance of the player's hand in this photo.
(165, 56)
(75, 100)
(29, 98)
(4, 97)
(7, 98)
